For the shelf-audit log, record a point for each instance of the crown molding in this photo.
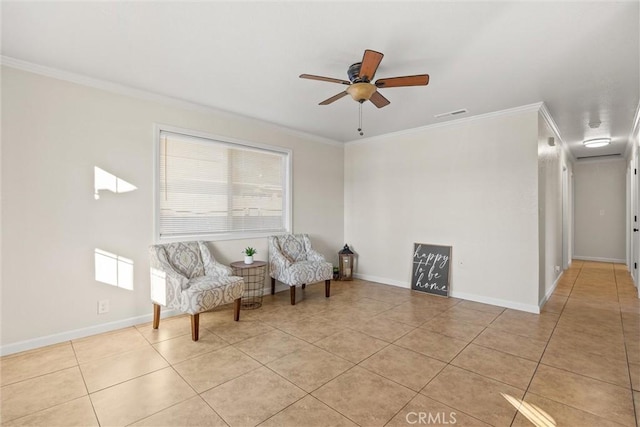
(546, 115)
(457, 122)
(150, 96)
(635, 131)
(634, 136)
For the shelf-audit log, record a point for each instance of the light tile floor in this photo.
(371, 355)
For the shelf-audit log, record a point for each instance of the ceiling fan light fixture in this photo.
(596, 142)
(361, 91)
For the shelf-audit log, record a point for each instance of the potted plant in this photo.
(249, 252)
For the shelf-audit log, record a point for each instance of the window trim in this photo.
(287, 194)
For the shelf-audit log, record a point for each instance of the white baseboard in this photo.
(545, 298)
(599, 259)
(471, 297)
(383, 280)
(497, 301)
(97, 329)
(80, 333)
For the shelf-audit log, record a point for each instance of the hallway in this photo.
(592, 360)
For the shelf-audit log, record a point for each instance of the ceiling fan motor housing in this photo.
(354, 72)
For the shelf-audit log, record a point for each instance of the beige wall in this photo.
(472, 185)
(550, 162)
(600, 203)
(53, 134)
(633, 239)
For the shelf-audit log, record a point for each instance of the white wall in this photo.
(550, 161)
(470, 184)
(633, 184)
(53, 134)
(600, 202)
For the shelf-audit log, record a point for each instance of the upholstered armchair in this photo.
(185, 277)
(293, 262)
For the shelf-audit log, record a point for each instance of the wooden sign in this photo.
(430, 269)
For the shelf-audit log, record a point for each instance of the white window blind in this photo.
(209, 187)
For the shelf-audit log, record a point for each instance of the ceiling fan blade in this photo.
(370, 62)
(324, 79)
(419, 80)
(333, 98)
(379, 100)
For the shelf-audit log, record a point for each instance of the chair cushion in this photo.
(204, 293)
(307, 272)
(292, 247)
(185, 257)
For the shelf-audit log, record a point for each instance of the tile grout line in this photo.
(38, 376)
(308, 394)
(317, 347)
(574, 373)
(456, 355)
(93, 408)
(626, 351)
(545, 349)
(444, 367)
(547, 343)
(342, 373)
(264, 365)
(358, 363)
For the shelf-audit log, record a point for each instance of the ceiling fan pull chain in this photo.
(360, 121)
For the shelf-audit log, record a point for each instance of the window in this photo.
(214, 188)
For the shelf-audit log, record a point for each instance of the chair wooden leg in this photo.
(156, 316)
(327, 288)
(273, 286)
(293, 295)
(236, 309)
(195, 326)
(304, 285)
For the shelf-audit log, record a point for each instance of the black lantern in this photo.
(345, 257)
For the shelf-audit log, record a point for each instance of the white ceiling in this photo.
(580, 58)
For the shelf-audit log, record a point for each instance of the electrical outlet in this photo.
(103, 306)
(557, 268)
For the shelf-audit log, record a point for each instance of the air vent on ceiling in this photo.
(601, 155)
(451, 113)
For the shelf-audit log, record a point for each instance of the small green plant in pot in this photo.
(249, 252)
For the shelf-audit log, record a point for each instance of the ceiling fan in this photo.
(360, 76)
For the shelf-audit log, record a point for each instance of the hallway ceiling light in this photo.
(597, 142)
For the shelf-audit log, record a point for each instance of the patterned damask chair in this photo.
(184, 276)
(293, 262)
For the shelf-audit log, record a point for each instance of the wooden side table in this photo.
(253, 275)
